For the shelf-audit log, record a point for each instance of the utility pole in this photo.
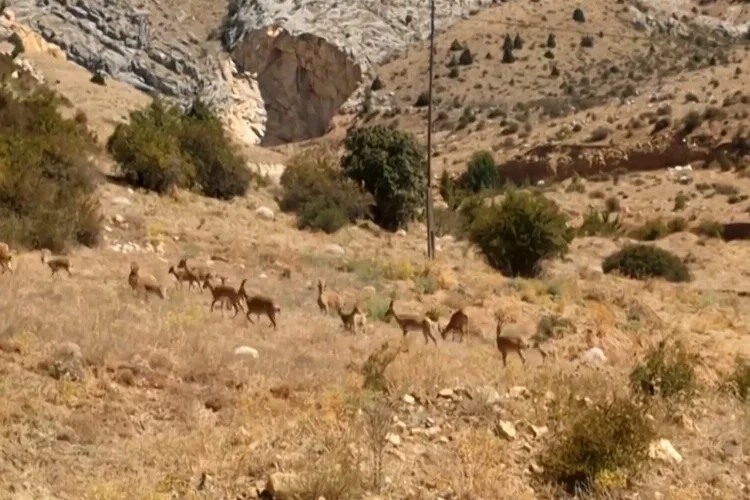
(430, 222)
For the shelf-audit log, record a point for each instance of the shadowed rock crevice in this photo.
(303, 80)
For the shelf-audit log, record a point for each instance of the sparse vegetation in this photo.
(646, 261)
(517, 235)
(162, 148)
(47, 171)
(323, 199)
(666, 371)
(608, 438)
(600, 223)
(391, 166)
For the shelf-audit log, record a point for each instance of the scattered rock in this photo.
(265, 213)
(506, 430)
(663, 450)
(594, 356)
(408, 399)
(447, 394)
(246, 351)
(539, 431)
(394, 439)
(431, 432)
(283, 485)
(335, 249)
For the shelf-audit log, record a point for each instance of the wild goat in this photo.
(327, 299)
(353, 321)
(200, 271)
(260, 304)
(185, 274)
(459, 322)
(56, 262)
(5, 258)
(412, 322)
(511, 338)
(145, 283)
(222, 293)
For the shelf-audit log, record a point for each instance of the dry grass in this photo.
(157, 397)
(161, 398)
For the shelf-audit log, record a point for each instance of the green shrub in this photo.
(163, 147)
(481, 173)
(600, 223)
(47, 175)
(392, 167)
(317, 191)
(597, 441)
(645, 261)
(521, 232)
(666, 371)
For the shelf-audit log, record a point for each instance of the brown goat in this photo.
(459, 322)
(412, 322)
(222, 293)
(145, 283)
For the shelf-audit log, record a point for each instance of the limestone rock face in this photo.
(311, 58)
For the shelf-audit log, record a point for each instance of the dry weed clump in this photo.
(599, 446)
(667, 371)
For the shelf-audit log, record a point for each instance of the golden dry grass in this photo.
(163, 399)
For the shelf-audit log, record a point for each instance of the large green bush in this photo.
(517, 235)
(598, 444)
(645, 261)
(321, 196)
(47, 175)
(481, 173)
(163, 147)
(392, 167)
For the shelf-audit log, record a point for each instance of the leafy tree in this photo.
(391, 166)
(517, 235)
(481, 173)
(47, 172)
(163, 147)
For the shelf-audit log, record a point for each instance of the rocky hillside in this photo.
(296, 62)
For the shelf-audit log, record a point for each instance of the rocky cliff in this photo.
(297, 61)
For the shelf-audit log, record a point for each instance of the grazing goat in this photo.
(459, 322)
